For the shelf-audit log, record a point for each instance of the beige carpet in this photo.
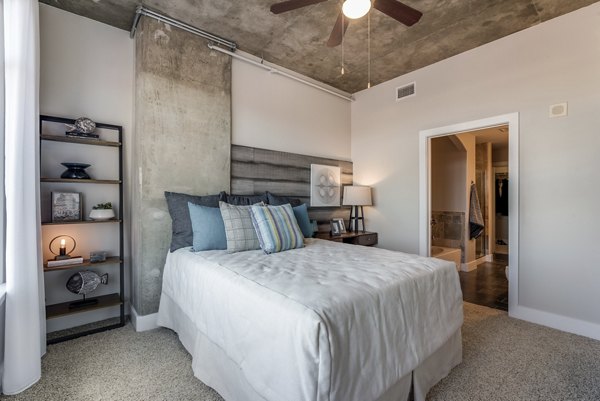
(504, 359)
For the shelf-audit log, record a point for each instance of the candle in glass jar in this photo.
(63, 247)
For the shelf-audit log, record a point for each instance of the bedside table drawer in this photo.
(366, 239)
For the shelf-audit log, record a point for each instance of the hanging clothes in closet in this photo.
(502, 196)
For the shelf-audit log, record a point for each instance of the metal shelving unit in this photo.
(103, 301)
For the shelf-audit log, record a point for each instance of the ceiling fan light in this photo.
(356, 8)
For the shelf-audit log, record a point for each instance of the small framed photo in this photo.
(340, 222)
(66, 206)
(335, 228)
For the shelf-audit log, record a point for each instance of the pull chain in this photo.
(369, 49)
(343, 44)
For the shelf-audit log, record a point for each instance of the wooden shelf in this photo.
(58, 223)
(62, 309)
(80, 181)
(86, 262)
(83, 141)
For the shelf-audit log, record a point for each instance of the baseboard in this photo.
(145, 322)
(562, 323)
(472, 265)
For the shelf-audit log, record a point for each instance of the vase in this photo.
(102, 214)
(75, 171)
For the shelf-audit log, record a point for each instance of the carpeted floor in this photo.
(504, 360)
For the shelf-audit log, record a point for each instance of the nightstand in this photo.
(359, 238)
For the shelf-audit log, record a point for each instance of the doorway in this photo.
(489, 147)
(469, 210)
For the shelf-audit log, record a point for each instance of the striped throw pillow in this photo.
(277, 228)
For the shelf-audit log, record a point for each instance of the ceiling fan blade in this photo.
(336, 36)
(290, 5)
(398, 11)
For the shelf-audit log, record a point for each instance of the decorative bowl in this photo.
(102, 214)
(75, 171)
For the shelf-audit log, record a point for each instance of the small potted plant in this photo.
(102, 211)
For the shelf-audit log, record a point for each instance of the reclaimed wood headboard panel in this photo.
(254, 171)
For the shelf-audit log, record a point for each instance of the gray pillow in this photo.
(244, 200)
(239, 230)
(276, 200)
(182, 234)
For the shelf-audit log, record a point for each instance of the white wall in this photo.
(86, 69)
(274, 112)
(553, 62)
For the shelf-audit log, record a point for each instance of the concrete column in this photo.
(182, 141)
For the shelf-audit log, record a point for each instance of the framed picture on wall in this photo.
(324, 185)
(66, 206)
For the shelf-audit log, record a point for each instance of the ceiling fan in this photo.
(355, 9)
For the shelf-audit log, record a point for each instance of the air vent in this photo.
(405, 91)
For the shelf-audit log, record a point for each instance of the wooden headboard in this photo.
(254, 171)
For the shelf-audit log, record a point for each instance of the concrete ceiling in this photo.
(296, 39)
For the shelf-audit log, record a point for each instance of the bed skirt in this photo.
(214, 368)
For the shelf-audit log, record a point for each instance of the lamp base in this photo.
(62, 257)
(355, 218)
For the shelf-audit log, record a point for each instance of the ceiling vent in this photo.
(405, 91)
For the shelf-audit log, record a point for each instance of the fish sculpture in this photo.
(84, 282)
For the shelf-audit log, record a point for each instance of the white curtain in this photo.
(24, 328)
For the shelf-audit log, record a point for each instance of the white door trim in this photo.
(512, 120)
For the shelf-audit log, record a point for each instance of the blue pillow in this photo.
(207, 227)
(276, 228)
(301, 213)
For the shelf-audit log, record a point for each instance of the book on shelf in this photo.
(75, 260)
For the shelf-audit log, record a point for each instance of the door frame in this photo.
(425, 136)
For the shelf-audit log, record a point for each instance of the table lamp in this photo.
(357, 196)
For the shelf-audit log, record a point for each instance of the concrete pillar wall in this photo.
(182, 141)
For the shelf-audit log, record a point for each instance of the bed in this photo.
(327, 322)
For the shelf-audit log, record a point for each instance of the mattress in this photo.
(326, 322)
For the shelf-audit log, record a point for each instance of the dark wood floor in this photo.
(487, 285)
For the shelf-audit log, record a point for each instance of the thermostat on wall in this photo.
(558, 110)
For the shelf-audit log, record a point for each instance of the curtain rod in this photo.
(229, 47)
(141, 10)
(280, 72)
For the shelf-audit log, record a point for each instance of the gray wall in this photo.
(182, 141)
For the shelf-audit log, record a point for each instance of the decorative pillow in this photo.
(208, 228)
(180, 215)
(239, 230)
(301, 214)
(246, 200)
(277, 228)
(277, 200)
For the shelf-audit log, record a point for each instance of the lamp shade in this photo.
(355, 195)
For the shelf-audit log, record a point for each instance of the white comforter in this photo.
(329, 322)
